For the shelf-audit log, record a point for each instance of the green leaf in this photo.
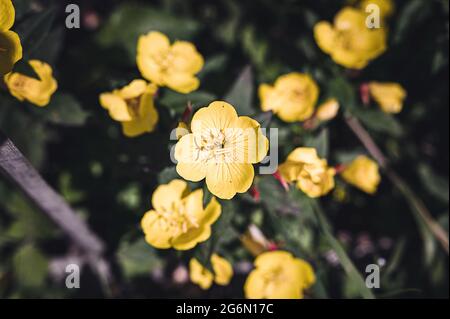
(130, 20)
(254, 45)
(30, 267)
(379, 121)
(412, 14)
(213, 64)
(320, 142)
(34, 30)
(343, 91)
(178, 102)
(137, 258)
(63, 109)
(436, 185)
(241, 93)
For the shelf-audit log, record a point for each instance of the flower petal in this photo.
(10, 51)
(186, 57)
(189, 165)
(191, 238)
(226, 179)
(166, 195)
(156, 230)
(182, 82)
(116, 106)
(218, 115)
(7, 15)
(223, 270)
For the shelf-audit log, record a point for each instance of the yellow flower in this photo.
(349, 41)
(389, 96)
(363, 174)
(200, 275)
(178, 218)
(279, 275)
(10, 46)
(312, 174)
(221, 148)
(292, 97)
(387, 7)
(133, 106)
(327, 110)
(169, 65)
(38, 92)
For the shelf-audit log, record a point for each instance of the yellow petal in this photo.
(147, 119)
(363, 173)
(290, 170)
(156, 230)
(133, 90)
(116, 106)
(191, 238)
(272, 259)
(389, 96)
(264, 92)
(10, 51)
(327, 110)
(307, 273)
(7, 15)
(226, 179)
(255, 285)
(247, 139)
(182, 82)
(210, 214)
(219, 115)
(186, 57)
(166, 195)
(306, 155)
(153, 42)
(325, 36)
(223, 270)
(200, 275)
(186, 153)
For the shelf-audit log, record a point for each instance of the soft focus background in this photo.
(109, 178)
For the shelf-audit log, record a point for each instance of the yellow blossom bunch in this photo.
(362, 173)
(172, 65)
(279, 275)
(37, 91)
(221, 149)
(292, 97)
(311, 173)
(178, 219)
(200, 275)
(388, 95)
(10, 46)
(349, 41)
(133, 106)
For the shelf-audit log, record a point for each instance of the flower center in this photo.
(134, 106)
(176, 220)
(213, 145)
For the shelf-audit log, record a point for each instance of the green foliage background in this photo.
(109, 178)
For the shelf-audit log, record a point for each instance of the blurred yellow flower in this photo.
(133, 106)
(312, 174)
(279, 275)
(178, 218)
(200, 275)
(292, 97)
(389, 96)
(349, 41)
(387, 7)
(327, 110)
(38, 92)
(221, 148)
(169, 65)
(10, 46)
(362, 173)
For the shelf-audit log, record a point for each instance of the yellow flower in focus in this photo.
(349, 41)
(38, 92)
(279, 275)
(312, 174)
(292, 97)
(389, 96)
(327, 110)
(363, 174)
(178, 218)
(169, 65)
(133, 106)
(221, 148)
(387, 7)
(10, 46)
(200, 275)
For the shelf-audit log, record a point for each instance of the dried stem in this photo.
(419, 208)
(19, 170)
